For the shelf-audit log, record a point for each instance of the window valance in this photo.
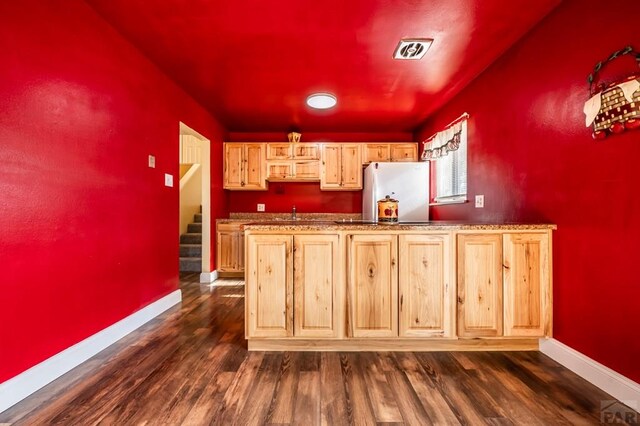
(445, 141)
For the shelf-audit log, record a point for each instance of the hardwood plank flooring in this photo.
(190, 366)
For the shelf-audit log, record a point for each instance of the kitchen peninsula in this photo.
(322, 285)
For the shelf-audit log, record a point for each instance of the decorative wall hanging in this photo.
(444, 141)
(616, 106)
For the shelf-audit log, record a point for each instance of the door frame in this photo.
(206, 198)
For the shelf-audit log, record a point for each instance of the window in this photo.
(447, 151)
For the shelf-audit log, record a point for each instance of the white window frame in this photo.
(450, 167)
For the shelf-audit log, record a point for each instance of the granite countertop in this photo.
(323, 225)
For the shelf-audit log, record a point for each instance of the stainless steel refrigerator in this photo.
(406, 182)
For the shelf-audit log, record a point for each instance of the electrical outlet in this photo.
(168, 179)
(479, 201)
(152, 161)
(260, 207)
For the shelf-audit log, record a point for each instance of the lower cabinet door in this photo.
(227, 251)
(427, 305)
(239, 238)
(479, 285)
(269, 281)
(373, 286)
(527, 285)
(316, 275)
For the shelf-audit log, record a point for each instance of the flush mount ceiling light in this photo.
(322, 101)
(414, 48)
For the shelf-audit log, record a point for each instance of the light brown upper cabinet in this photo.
(527, 285)
(293, 170)
(245, 166)
(279, 151)
(404, 151)
(293, 162)
(376, 152)
(480, 285)
(341, 168)
(383, 152)
(427, 286)
(293, 151)
(373, 285)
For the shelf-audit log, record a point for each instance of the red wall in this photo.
(533, 159)
(88, 233)
(307, 197)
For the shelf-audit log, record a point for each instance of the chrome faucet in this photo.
(293, 213)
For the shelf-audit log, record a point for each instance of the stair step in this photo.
(191, 238)
(197, 218)
(190, 264)
(194, 228)
(190, 250)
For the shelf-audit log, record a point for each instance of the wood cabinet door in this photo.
(279, 151)
(306, 151)
(255, 166)
(479, 285)
(279, 170)
(316, 269)
(226, 249)
(373, 286)
(331, 173)
(269, 286)
(233, 166)
(306, 170)
(404, 152)
(376, 152)
(351, 166)
(239, 238)
(527, 285)
(427, 304)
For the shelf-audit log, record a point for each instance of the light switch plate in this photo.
(168, 179)
(479, 201)
(260, 207)
(152, 161)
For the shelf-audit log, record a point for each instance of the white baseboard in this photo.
(208, 277)
(21, 386)
(615, 384)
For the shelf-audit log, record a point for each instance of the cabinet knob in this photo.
(241, 183)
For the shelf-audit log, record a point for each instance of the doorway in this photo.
(195, 203)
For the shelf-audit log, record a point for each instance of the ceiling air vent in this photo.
(412, 48)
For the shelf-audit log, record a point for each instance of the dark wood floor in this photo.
(190, 366)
